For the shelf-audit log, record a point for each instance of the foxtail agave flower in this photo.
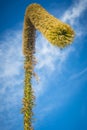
(56, 32)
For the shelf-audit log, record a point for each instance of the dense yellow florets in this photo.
(54, 30)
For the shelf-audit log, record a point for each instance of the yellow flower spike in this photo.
(56, 32)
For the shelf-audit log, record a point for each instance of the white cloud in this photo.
(75, 11)
(10, 55)
(78, 74)
(11, 65)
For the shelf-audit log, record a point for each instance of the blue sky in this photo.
(61, 94)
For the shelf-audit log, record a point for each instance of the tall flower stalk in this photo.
(56, 32)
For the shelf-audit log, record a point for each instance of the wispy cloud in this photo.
(78, 74)
(10, 55)
(75, 11)
(11, 83)
(11, 67)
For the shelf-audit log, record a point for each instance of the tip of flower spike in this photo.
(61, 36)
